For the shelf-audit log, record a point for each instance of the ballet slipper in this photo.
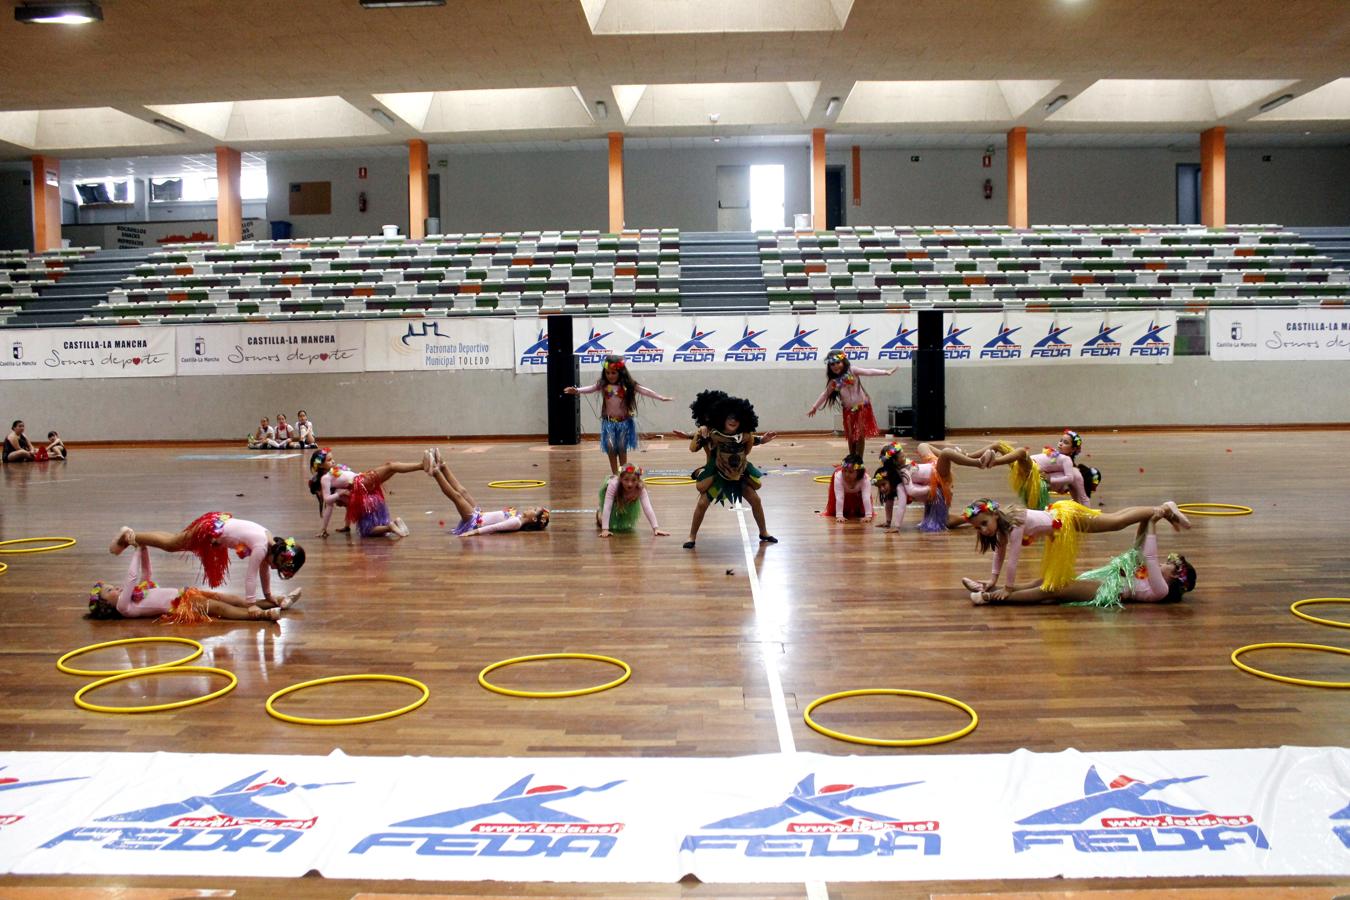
(979, 598)
(1176, 516)
(972, 585)
(125, 538)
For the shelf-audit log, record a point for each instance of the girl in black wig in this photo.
(726, 433)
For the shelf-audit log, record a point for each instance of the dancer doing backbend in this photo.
(139, 597)
(1134, 576)
(1006, 530)
(928, 481)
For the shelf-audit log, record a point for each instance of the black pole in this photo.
(930, 395)
(564, 413)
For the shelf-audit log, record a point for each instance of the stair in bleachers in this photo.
(1329, 241)
(85, 284)
(721, 270)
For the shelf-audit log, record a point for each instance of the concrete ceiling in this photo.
(221, 70)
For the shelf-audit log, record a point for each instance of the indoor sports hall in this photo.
(621, 448)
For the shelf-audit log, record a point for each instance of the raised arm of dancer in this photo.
(648, 392)
(588, 389)
(138, 571)
(859, 370)
(1157, 584)
(820, 401)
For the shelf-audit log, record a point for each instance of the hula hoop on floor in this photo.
(510, 692)
(4, 567)
(1214, 509)
(883, 742)
(1307, 682)
(68, 542)
(1335, 623)
(669, 480)
(100, 673)
(823, 479)
(352, 720)
(158, 707)
(516, 484)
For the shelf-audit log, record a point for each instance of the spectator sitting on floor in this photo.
(305, 428)
(264, 438)
(284, 434)
(17, 447)
(56, 448)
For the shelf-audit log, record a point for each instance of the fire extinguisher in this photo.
(361, 202)
(988, 189)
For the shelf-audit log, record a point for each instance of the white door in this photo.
(733, 198)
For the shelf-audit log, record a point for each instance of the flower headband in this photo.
(614, 364)
(320, 458)
(891, 450)
(835, 356)
(1073, 437)
(857, 466)
(981, 506)
(285, 557)
(630, 469)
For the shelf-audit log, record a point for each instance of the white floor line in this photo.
(815, 890)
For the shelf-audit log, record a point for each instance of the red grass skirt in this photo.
(860, 424)
(189, 608)
(853, 505)
(203, 543)
(366, 507)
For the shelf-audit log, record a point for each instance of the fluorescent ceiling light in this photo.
(383, 117)
(74, 13)
(832, 108)
(395, 4)
(1277, 102)
(601, 110)
(1056, 103)
(169, 126)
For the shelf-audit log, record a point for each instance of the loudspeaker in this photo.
(564, 412)
(929, 390)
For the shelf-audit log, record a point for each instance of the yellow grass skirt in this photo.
(1026, 480)
(1064, 542)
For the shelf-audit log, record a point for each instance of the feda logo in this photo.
(9, 783)
(231, 819)
(1052, 346)
(1101, 343)
(1002, 346)
(952, 345)
(643, 350)
(535, 827)
(537, 353)
(797, 349)
(1148, 825)
(746, 350)
(900, 347)
(593, 351)
(1342, 831)
(1152, 343)
(812, 822)
(850, 345)
(694, 350)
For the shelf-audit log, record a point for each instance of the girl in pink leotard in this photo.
(1007, 530)
(1034, 476)
(212, 536)
(850, 495)
(618, 424)
(139, 597)
(928, 481)
(473, 518)
(1134, 576)
(621, 496)
(842, 387)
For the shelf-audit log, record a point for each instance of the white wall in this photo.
(524, 191)
(678, 188)
(945, 187)
(386, 189)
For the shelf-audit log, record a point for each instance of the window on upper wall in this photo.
(197, 188)
(105, 190)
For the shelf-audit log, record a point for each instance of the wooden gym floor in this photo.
(841, 606)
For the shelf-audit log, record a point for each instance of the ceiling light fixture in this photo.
(601, 110)
(832, 108)
(1278, 101)
(1055, 104)
(169, 126)
(73, 13)
(396, 4)
(383, 117)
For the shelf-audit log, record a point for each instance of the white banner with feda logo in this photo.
(875, 339)
(36, 353)
(1267, 335)
(438, 344)
(287, 348)
(772, 818)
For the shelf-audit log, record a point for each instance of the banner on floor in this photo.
(881, 340)
(438, 345)
(1268, 335)
(272, 348)
(803, 817)
(34, 353)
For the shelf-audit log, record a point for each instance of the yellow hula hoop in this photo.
(482, 676)
(69, 542)
(1335, 623)
(1214, 509)
(71, 670)
(516, 484)
(4, 567)
(669, 479)
(1308, 682)
(158, 707)
(823, 479)
(881, 742)
(352, 720)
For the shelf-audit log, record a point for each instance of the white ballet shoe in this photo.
(400, 527)
(426, 461)
(291, 599)
(1176, 516)
(436, 457)
(972, 585)
(979, 598)
(125, 538)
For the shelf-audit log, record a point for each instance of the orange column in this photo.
(818, 179)
(418, 197)
(46, 204)
(1213, 178)
(1017, 178)
(615, 182)
(229, 208)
